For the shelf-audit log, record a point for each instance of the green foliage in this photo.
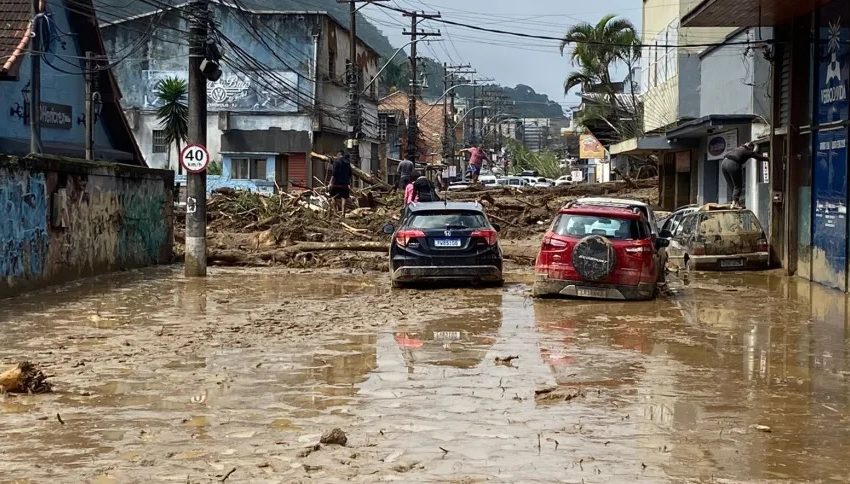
(173, 112)
(214, 168)
(546, 163)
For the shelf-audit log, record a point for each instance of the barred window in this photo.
(159, 144)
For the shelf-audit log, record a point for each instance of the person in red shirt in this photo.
(477, 156)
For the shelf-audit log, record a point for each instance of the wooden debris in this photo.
(24, 378)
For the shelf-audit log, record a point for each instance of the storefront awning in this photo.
(747, 13)
(641, 145)
(701, 127)
(266, 141)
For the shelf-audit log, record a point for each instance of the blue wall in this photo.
(56, 87)
(23, 225)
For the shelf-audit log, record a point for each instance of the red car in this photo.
(600, 252)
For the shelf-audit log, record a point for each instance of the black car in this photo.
(445, 241)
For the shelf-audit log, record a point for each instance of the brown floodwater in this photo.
(735, 377)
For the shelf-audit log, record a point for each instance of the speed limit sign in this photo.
(195, 158)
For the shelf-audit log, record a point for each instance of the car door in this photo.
(680, 240)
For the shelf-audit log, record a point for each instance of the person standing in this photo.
(423, 190)
(340, 187)
(405, 173)
(477, 156)
(733, 169)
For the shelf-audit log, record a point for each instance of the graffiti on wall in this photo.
(237, 92)
(23, 226)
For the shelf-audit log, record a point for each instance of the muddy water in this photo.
(159, 378)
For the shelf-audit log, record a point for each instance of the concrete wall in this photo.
(63, 219)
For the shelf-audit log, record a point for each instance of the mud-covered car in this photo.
(599, 252)
(445, 241)
(717, 237)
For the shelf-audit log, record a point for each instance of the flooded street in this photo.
(160, 378)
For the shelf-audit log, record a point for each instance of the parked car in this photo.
(458, 185)
(488, 180)
(564, 180)
(524, 173)
(445, 241)
(539, 181)
(643, 207)
(515, 182)
(601, 252)
(717, 237)
(675, 218)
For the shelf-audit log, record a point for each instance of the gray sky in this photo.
(510, 60)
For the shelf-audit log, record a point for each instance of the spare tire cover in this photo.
(594, 258)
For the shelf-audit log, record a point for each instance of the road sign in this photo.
(194, 158)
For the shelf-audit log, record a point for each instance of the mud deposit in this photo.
(236, 378)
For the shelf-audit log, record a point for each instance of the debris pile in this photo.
(24, 377)
(303, 230)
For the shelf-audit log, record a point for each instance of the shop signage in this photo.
(56, 116)
(719, 144)
(832, 85)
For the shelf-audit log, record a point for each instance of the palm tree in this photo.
(596, 49)
(173, 113)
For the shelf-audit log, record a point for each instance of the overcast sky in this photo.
(510, 60)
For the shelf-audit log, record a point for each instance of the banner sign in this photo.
(590, 148)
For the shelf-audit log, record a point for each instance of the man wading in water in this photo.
(733, 169)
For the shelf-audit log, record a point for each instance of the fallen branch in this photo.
(238, 257)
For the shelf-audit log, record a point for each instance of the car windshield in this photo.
(727, 223)
(584, 225)
(443, 219)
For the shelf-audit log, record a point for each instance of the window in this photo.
(442, 220)
(158, 140)
(248, 169)
(584, 225)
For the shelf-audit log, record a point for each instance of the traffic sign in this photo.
(195, 158)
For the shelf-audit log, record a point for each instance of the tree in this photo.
(173, 112)
(596, 49)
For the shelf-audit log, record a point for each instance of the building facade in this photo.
(281, 97)
(808, 170)
(63, 85)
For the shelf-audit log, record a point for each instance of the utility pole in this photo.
(445, 113)
(195, 264)
(353, 142)
(89, 116)
(35, 79)
(451, 71)
(414, 34)
(353, 81)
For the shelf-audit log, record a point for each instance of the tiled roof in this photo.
(14, 29)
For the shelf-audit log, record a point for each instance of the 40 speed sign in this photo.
(194, 158)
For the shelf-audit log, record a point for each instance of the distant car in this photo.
(719, 238)
(488, 180)
(445, 241)
(515, 182)
(525, 173)
(564, 181)
(458, 185)
(600, 252)
(539, 181)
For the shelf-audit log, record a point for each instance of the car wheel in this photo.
(397, 284)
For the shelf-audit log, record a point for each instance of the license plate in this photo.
(597, 293)
(447, 243)
(732, 263)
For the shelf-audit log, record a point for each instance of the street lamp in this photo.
(390, 60)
